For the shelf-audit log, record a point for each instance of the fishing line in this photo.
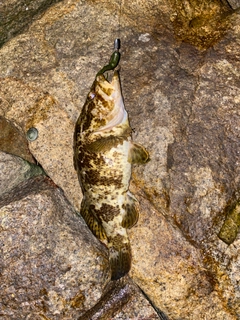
(117, 42)
(119, 18)
(115, 57)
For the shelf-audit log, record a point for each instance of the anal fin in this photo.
(132, 213)
(138, 154)
(91, 220)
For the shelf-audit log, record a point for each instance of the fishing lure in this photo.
(114, 60)
(103, 156)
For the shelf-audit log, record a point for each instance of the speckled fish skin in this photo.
(103, 157)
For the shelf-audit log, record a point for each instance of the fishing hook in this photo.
(114, 60)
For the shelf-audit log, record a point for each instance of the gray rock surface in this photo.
(46, 251)
(16, 15)
(13, 141)
(14, 170)
(51, 266)
(183, 103)
(234, 4)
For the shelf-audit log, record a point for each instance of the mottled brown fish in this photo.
(103, 157)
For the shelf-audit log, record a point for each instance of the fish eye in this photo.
(91, 95)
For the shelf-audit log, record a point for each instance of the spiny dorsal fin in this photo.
(138, 154)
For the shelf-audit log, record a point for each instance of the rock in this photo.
(53, 147)
(201, 23)
(16, 15)
(51, 265)
(173, 272)
(183, 104)
(15, 170)
(234, 4)
(122, 300)
(12, 141)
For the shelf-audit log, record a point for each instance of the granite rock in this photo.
(46, 255)
(14, 170)
(51, 266)
(13, 142)
(17, 15)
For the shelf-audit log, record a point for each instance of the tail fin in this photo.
(120, 260)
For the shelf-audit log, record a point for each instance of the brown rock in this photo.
(173, 272)
(122, 299)
(14, 170)
(53, 147)
(51, 266)
(13, 141)
(16, 15)
(201, 23)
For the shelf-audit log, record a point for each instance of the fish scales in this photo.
(103, 156)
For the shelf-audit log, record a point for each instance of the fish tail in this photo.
(120, 260)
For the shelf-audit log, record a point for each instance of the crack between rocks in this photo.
(161, 315)
(117, 294)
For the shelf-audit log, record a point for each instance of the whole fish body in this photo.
(103, 157)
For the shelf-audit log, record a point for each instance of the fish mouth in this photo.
(118, 114)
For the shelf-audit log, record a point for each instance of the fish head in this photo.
(105, 104)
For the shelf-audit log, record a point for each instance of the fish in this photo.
(103, 157)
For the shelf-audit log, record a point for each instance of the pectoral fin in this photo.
(138, 154)
(91, 220)
(104, 144)
(132, 214)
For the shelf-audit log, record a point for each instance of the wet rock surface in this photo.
(45, 252)
(15, 170)
(201, 23)
(17, 15)
(51, 265)
(183, 104)
(13, 141)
